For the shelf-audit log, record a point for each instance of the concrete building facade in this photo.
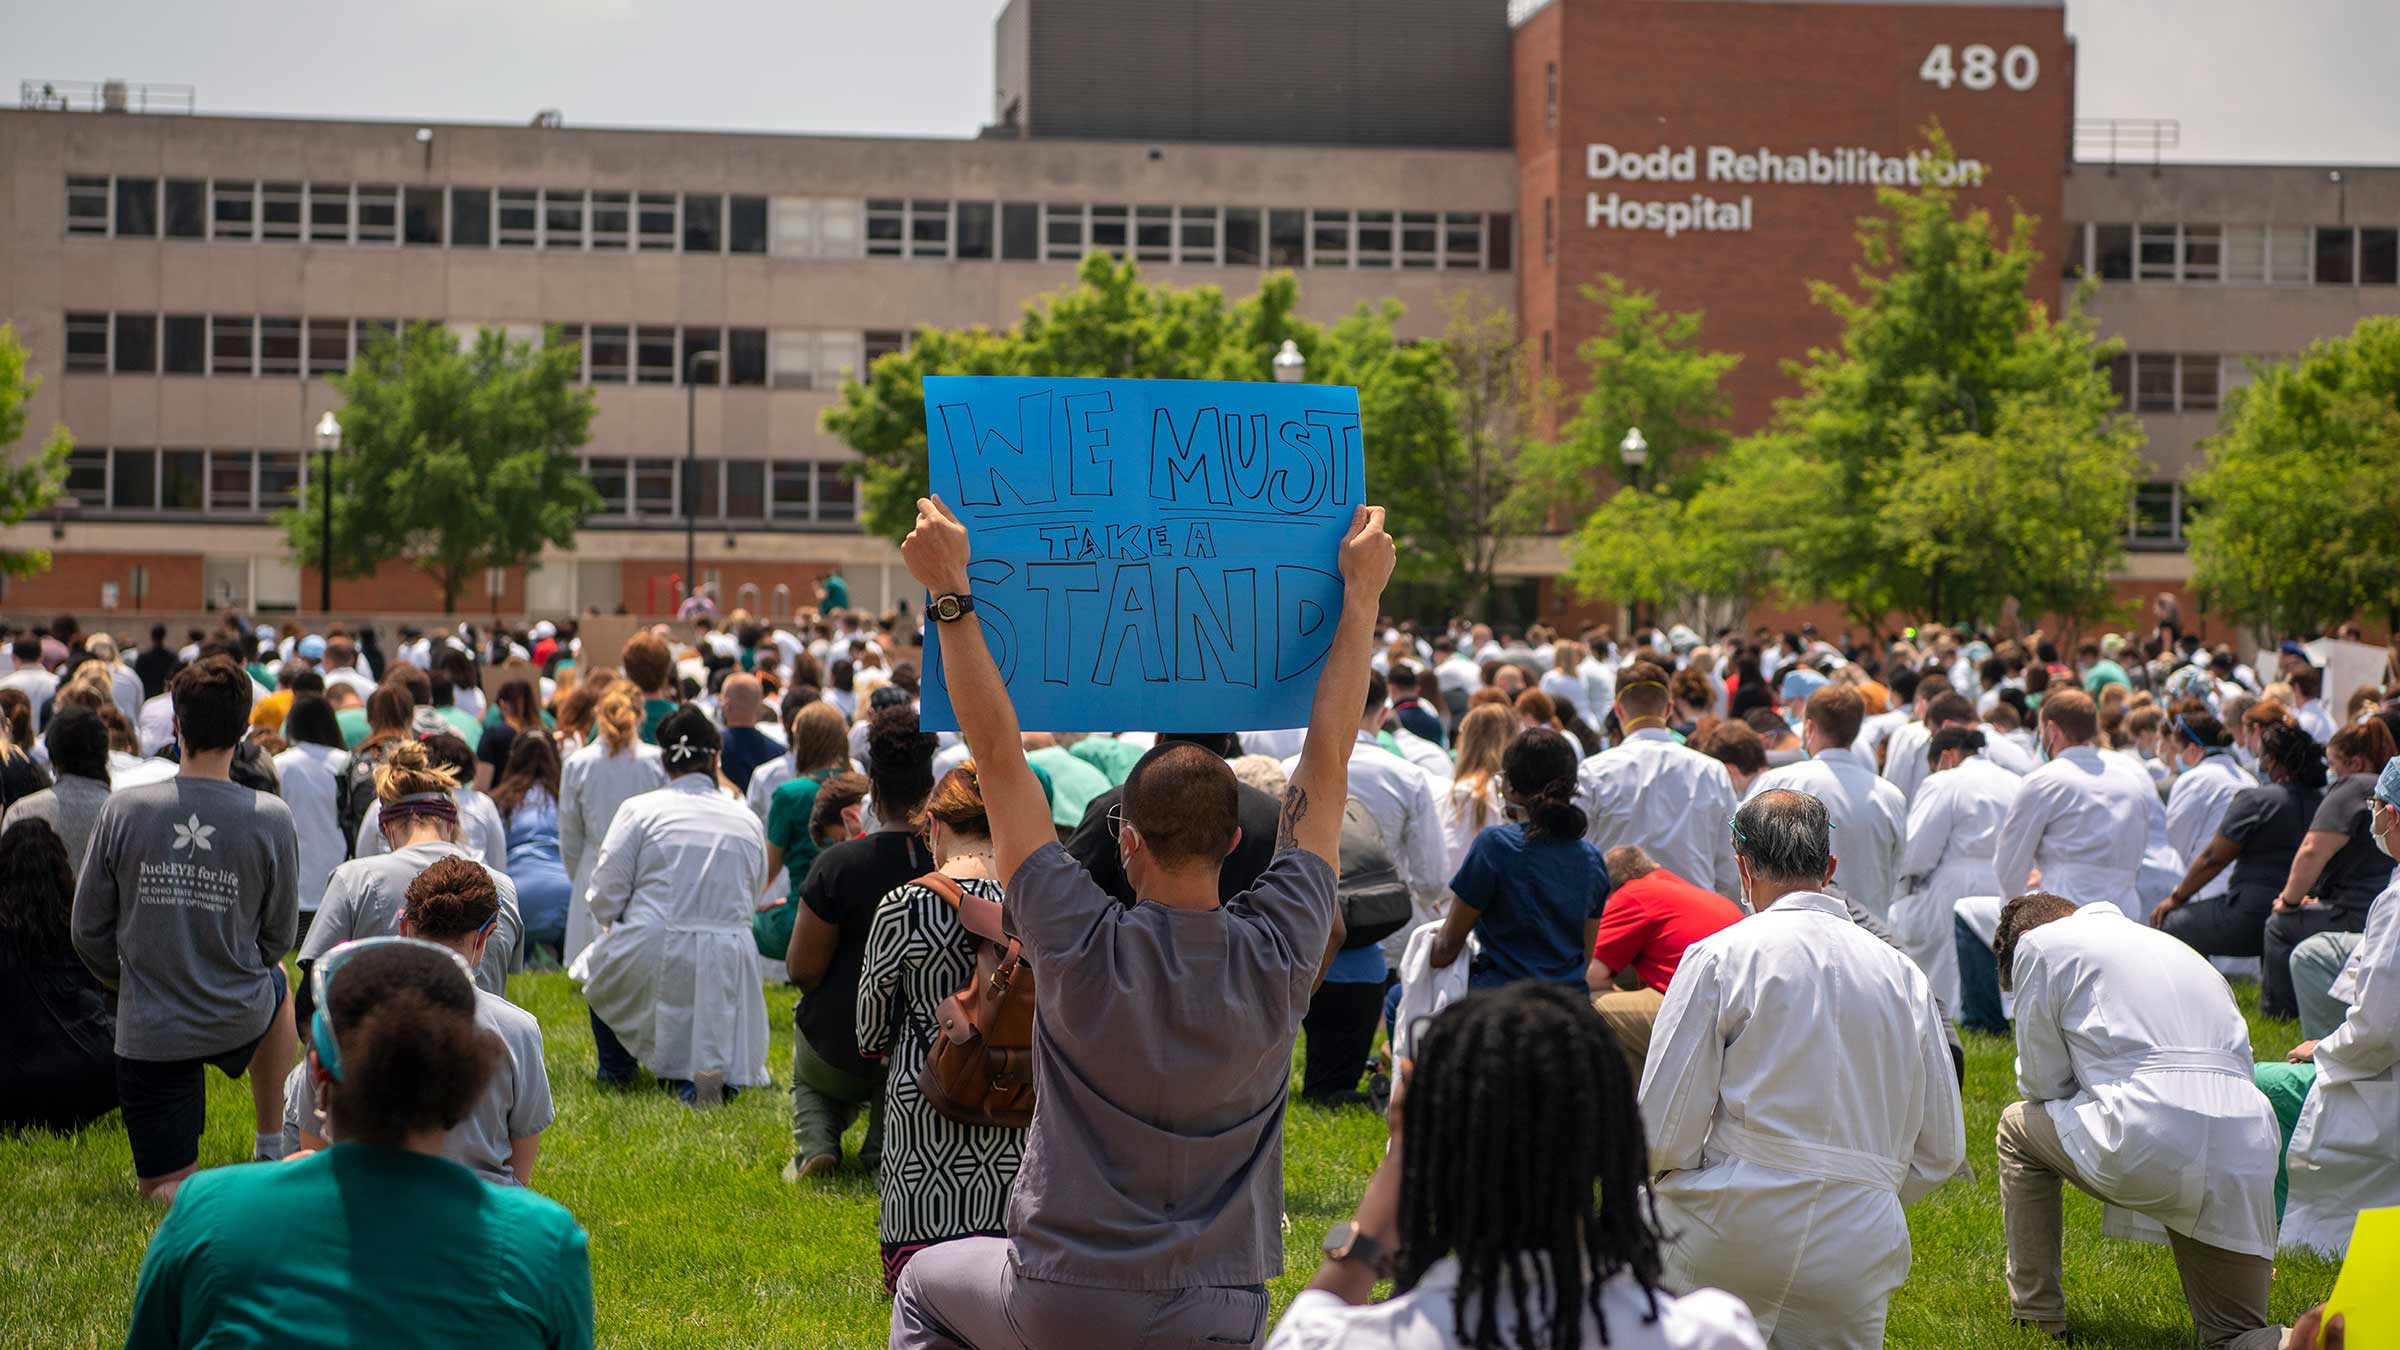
(185, 283)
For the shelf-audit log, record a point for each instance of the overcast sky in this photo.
(2303, 80)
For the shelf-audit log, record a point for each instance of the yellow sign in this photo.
(2364, 1297)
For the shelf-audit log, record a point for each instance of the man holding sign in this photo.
(1148, 1207)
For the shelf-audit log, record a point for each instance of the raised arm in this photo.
(1312, 802)
(937, 555)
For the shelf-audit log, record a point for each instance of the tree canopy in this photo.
(455, 458)
(2299, 500)
(34, 484)
(1113, 324)
(1958, 446)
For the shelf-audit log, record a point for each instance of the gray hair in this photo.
(1786, 836)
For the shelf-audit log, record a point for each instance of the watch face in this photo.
(946, 608)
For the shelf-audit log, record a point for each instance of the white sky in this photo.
(2300, 80)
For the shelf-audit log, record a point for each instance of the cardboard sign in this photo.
(496, 676)
(603, 637)
(1151, 555)
(2363, 1295)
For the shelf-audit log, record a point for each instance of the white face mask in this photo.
(2383, 841)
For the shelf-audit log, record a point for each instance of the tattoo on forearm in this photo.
(1295, 810)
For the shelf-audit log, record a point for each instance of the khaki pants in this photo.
(1631, 1014)
(2227, 1290)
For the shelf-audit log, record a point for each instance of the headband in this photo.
(1640, 684)
(683, 750)
(439, 805)
(2184, 725)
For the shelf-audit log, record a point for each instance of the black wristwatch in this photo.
(1345, 1242)
(948, 608)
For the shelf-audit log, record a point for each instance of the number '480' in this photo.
(1977, 66)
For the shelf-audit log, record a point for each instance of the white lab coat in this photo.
(2083, 819)
(1424, 990)
(1798, 1094)
(2008, 754)
(1433, 759)
(1461, 822)
(1873, 731)
(312, 778)
(592, 784)
(1904, 763)
(1870, 821)
(1953, 833)
(2196, 805)
(2162, 864)
(2345, 1151)
(1670, 800)
(2132, 1042)
(674, 972)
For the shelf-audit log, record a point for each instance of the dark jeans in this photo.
(2284, 932)
(617, 1065)
(1978, 982)
(1340, 1027)
(2223, 925)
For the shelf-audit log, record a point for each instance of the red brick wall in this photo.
(398, 586)
(72, 584)
(1636, 74)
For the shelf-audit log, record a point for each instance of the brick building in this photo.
(184, 282)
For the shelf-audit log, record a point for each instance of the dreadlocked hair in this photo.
(1533, 1064)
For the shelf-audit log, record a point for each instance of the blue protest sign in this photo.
(1150, 555)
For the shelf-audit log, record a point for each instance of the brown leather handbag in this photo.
(979, 1068)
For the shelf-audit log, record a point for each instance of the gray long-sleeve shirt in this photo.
(186, 902)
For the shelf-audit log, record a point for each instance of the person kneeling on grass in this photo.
(671, 978)
(1147, 1209)
(2135, 1067)
(380, 1240)
(455, 904)
(1551, 1242)
(186, 903)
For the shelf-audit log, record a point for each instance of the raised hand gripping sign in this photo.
(1149, 555)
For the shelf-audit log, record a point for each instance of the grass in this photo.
(697, 1241)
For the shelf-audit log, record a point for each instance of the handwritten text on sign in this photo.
(1150, 555)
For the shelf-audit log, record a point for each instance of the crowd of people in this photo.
(1576, 913)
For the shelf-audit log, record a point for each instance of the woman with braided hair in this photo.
(1549, 1243)
(1533, 886)
(454, 904)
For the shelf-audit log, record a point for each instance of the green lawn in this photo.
(697, 1241)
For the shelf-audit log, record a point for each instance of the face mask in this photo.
(2383, 841)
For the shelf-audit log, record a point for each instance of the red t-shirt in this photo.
(1649, 921)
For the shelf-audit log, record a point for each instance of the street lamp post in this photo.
(691, 466)
(329, 440)
(1290, 365)
(1636, 452)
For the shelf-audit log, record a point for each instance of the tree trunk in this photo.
(450, 584)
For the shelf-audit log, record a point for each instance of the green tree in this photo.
(33, 485)
(454, 458)
(1469, 491)
(1962, 444)
(1648, 370)
(2301, 489)
(1111, 323)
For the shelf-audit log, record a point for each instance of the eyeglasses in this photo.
(320, 979)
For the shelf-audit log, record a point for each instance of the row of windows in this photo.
(2235, 255)
(787, 227)
(221, 483)
(233, 484)
(2166, 382)
(622, 353)
(735, 491)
